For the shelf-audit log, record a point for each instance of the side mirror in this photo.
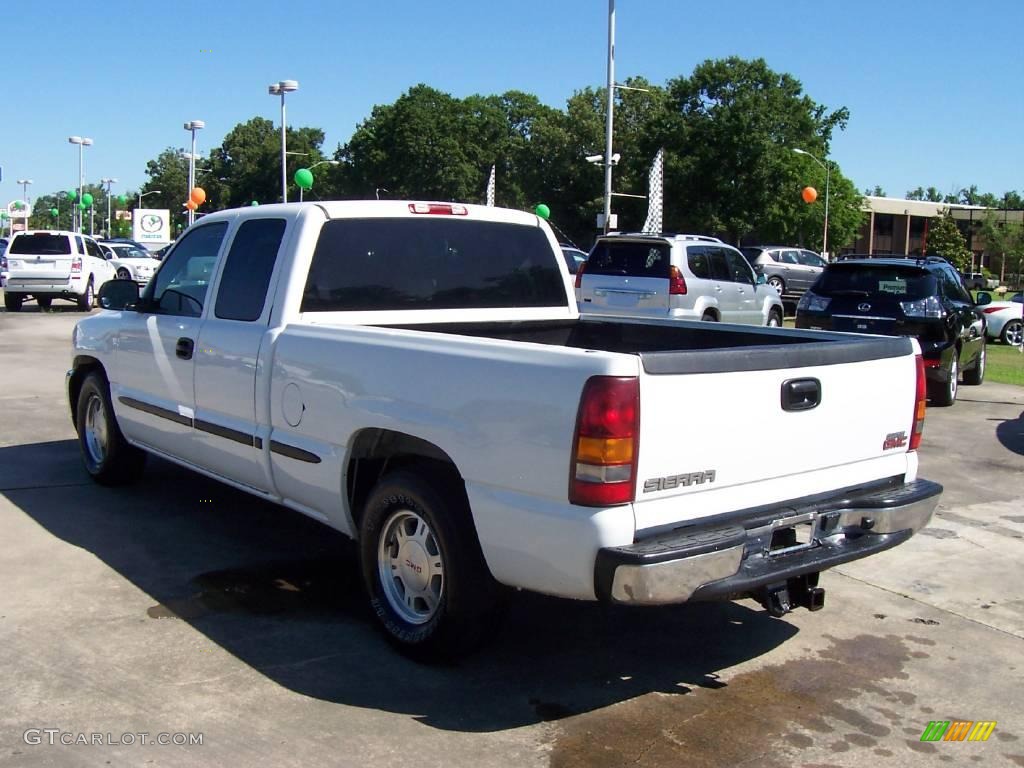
(983, 298)
(118, 294)
(761, 280)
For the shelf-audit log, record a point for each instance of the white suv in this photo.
(692, 277)
(49, 264)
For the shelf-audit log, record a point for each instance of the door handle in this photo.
(184, 348)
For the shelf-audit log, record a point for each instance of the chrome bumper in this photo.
(727, 561)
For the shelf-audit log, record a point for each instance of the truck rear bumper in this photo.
(734, 560)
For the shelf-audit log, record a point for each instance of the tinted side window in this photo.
(80, 243)
(179, 288)
(790, 257)
(809, 259)
(699, 261)
(952, 286)
(93, 250)
(431, 262)
(719, 266)
(739, 270)
(250, 262)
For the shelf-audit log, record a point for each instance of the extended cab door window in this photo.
(180, 286)
(243, 286)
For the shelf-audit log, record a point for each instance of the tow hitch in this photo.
(803, 591)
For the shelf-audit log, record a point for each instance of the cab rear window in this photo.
(629, 259)
(42, 244)
(901, 283)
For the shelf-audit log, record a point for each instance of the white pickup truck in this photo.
(417, 376)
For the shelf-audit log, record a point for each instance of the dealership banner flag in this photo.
(490, 189)
(655, 193)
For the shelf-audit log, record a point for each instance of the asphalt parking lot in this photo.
(180, 606)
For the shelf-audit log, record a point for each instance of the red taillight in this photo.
(76, 264)
(676, 283)
(920, 399)
(936, 363)
(579, 274)
(442, 209)
(606, 444)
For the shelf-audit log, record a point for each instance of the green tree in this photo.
(877, 191)
(945, 239)
(1004, 244)
(931, 195)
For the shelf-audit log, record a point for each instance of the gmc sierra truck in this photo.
(417, 376)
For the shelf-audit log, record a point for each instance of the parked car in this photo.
(923, 298)
(127, 241)
(3, 261)
(129, 261)
(973, 281)
(574, 257)
(681, 276)
(1003, 319)
(788, 270)
(54, 264)
(417, 376)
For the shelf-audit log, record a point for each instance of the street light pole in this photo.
(82, 143)
(275, 89)
(108, 182)
(314, 165)
(192, 125)
(827, 165)
(24, 194)
(151, 192)
(609, 121)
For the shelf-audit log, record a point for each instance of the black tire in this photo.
(709, 317)
(775, 318)
(461, 597)
(1011, 333)
(13, 301)
(44, 302)
(976, 374)
(107, 456)
(123, 274)
(85, 300)
(777, 283)
(944, 393)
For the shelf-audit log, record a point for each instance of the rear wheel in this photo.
(13, 301)
(1012, 332)
(426, 577)
(108, 457)
(44, 302)
(124, 274)
(775, 318)
(944, 393)
(709, 317)
(976, 374)
(85, 300)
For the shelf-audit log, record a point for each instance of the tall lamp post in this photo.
(280, 89)
(151, 192)
(193, 126)
(108, 182)
(82, 143)
(827, 165)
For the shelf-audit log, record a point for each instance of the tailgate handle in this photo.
(801, 394)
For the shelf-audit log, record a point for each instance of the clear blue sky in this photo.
(935, 89)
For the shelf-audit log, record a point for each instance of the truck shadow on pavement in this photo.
(282, 594)
(1011, 434)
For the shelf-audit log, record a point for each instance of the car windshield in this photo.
(41, 244)
(129, 252)
(629, 259)
(901, 283)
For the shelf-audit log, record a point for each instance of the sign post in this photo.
(151, 225)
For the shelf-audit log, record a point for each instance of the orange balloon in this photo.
(198, 195)
(809, 194)
(191, 205)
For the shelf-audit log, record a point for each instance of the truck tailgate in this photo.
(717, 441)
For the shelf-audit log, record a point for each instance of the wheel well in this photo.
(374, 451)
(712, 312)
(82, 367)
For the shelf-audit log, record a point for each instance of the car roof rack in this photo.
(679, 235)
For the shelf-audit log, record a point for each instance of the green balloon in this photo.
(543, 211)
(304, 178)
(54, 212)
(70, 195)
(87, 199)
(122, 199)
(254, 202)
(82, 206)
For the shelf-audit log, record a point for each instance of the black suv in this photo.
(923, 298)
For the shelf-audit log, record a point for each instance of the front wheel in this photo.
(976, 375)
(775, 318)
(124, 274)
(777, 283)
(1012, 333)
(108, 457)
(709, 317)
(426, 577)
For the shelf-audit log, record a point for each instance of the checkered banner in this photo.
(655, 193)
(490, 189)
